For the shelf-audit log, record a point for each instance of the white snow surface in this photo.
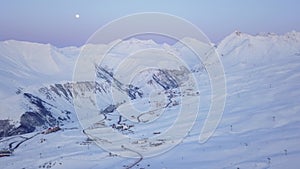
(259, 128)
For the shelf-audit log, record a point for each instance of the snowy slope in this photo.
(26, 66)
(26, 63)
(259, 128)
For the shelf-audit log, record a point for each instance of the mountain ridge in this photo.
(237, 51)
(259, 127)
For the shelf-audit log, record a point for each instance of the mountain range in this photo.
(258, 128)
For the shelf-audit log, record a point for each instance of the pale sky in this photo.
(55, 21)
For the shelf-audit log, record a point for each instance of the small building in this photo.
(51, 130)
(5, 153)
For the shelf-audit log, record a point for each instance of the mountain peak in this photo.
(24, 43)
(242, 35)
(238, 40)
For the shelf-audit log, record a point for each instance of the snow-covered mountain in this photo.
(258, 129)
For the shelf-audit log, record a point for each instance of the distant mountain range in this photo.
(36, 78)
(262, 72)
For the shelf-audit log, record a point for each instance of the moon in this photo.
(77, 16)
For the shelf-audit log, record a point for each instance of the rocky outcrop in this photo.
(5, 127)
